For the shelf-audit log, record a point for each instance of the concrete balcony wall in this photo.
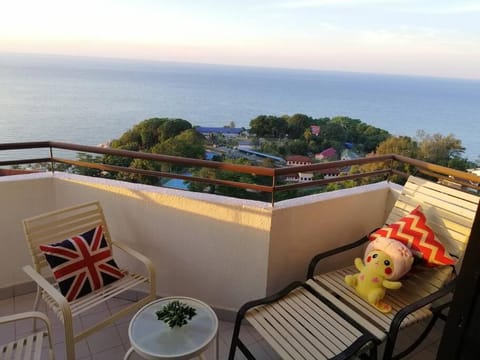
(21, 196)
(209, 247)
(304, 227)
(221, 250)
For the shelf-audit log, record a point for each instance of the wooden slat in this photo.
(91, 300)
(440, 199)
(450, 214)
(290, 329)
(300, 326)
(28, 347)
(62, 224)
(378, 333)
(338, 287)
(37, 351)
(304, 326)
(415, 286)
(274, 337)
(43, 226)
(323, 315)
(60, 219)
(419, 182)
(334, 333)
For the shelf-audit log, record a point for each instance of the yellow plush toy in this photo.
(386, 261)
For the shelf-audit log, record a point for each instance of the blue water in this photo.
(89, 101)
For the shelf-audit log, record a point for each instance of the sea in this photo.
(90, 101)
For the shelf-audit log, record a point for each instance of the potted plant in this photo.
(176, 313)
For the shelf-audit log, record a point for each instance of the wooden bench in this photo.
(294, 323)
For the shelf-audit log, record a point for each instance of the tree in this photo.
(149, 132)
(172, 128)
(131, 136)
(369, 137)
(144, 165)
(435, 149)
(400, 145)
(188, 143)
(297, 147)
(297, 124)
(307, 135)
(87, 171)
(156, 135)
(120, 160)
(438, 149)
(333, 134)
(269, 126)
(460, 163)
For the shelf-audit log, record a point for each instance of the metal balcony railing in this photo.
(372, 167)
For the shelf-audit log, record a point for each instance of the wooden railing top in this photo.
(461, 178)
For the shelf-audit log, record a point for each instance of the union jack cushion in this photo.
(413, 231)
(82, 263)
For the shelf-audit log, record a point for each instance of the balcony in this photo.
(221, 250)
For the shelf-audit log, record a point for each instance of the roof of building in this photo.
(257, 153)
(329, 152)
(298, 158)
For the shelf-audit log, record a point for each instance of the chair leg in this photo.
(69, 335)
(69, 345)
(389, 351)
(372, 354)
(36, 304)
(236, 342)
(235, 337)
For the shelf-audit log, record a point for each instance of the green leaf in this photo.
(176, 313)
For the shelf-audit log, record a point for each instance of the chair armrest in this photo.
(25, 315)
(139, 256)
(268, 299)
(401, 314)
(47, 287)
(316, 259)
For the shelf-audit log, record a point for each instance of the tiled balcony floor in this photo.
(112, 342)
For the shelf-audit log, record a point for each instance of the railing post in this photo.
(51, 160)
(273, 190)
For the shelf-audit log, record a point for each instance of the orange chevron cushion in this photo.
(413, 231)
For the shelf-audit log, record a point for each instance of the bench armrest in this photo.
(143, 259)
(316, 259)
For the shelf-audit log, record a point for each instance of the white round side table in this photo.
(153, 339)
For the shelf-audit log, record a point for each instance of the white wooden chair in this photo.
(295, 322)
(61, 224)
(30, 346)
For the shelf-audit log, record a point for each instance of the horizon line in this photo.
(248, 66)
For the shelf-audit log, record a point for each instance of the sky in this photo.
(414, 37)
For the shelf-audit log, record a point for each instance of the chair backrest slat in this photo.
(449, 212)
(59, 225)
